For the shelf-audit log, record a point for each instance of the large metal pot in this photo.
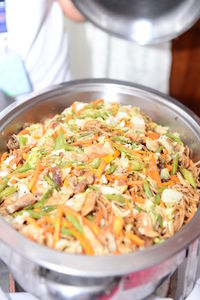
(54, 275)
(142, 21)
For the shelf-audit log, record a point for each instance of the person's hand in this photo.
(71, 11)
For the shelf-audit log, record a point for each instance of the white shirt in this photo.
(36, 31)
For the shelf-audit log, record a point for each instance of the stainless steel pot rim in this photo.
(105, 266)
(132, 30)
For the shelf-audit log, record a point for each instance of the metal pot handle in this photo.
(70, 291)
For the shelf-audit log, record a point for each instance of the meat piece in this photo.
(145, 225)
(89, 203)
(73, 181)
(24, 201)
(99, 150)
(13, 142)
(89, 178)
(92, 125)
(161, 163)
(81, 187)
(72, 155)
(57, 177)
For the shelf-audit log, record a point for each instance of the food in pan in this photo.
(98, 179)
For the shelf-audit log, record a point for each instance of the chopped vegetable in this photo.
(174, 138)
(4, 183)
(137, 165)
(135, 239)
(147, 190)
(96, 163)
(188, 176)
(45, 197)
(118, 224)
(66, 231)
(75, 222)
(99, 178)
(60, 141)
(51, 182)
(164, 174)
(35, 176)
(175, 164)
(7, 192)
(22, 141)
(111, 170)
(116, 197)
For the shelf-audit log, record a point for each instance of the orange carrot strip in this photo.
(36, 173)
(139, 200)
(68, 117)
(97, 101)
(117, 177)
(91, 225)
(23, 132)
(15, 160)
(135, 239)
(153, 135)
(43, 129)
(98, 217)
(118, 224)
(174, 178)
(162, 204)
(168, 183)
(101, 169)
(83, 142)
(4, 156)
(169, 167)
(31, 221)
(58, 225)
(83, 241)
(153, 171)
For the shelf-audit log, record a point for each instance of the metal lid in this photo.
(142, 21)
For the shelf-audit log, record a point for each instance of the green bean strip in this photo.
(175, 164)
(66, 231)
(188, 176)
(111, 170)
(7, 192)
(51, 182)
(4, 183)
(174, 138)
(147, 190)
(44, 198)
(75, 222)
(116, 197)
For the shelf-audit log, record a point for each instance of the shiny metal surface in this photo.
(86, 276)
(142, 21)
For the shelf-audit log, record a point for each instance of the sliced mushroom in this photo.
(89, 203)
(24, 201)
(57, 177)
(13, 142)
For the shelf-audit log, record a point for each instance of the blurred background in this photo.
(172, 67)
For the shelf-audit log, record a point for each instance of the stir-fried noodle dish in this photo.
(98, 179)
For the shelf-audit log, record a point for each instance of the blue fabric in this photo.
(3, 26)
